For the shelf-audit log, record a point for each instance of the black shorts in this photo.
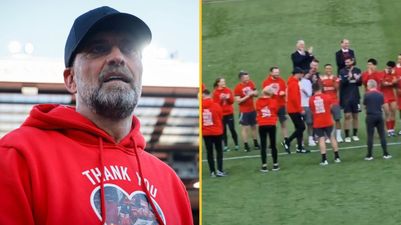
(323, 131)
(352, 106)
(228, 119)
(247, 118)
(282, 114)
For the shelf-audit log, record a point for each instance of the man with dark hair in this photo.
(372, 73)
(244, 93)
(64, 164)
(373, 101)
(330, 85)
(305, 84)
(295, 111)
(350, 80)
(313, 73)
(212, 130)
(344, 53)
(302, 58)
(388, 83)
(280, 88)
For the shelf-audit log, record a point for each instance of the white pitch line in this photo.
(316, 150)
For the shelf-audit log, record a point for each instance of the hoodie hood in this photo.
(75, 126)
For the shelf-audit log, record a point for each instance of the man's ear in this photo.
(69, 80)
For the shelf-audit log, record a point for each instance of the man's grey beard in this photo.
(115, 104)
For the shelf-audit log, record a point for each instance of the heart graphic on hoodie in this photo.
(125, 209)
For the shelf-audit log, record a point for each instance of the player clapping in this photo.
(390, 105)
(330, 84)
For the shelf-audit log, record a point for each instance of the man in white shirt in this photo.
(305, 86)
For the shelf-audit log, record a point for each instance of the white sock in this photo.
(338, 131)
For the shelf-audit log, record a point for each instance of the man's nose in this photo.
(116, 57)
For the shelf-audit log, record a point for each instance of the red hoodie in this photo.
(212, 118)
(266, 109)
(59, 168)
(226, 104)
(293, 95)
(281, 86)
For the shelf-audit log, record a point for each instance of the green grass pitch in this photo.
(254, 35)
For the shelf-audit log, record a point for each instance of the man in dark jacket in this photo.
(373, 101)
(301, 58)
(350, 80)
(342, 54)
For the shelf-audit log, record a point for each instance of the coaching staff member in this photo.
(344, 53)
(85, 164)
(244, 93)
(302, 58)
(350, 80)
(373, 101)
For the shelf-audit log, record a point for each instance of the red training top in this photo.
(242, 90)
(280, 87)
(375, 75)
(266, 109)
(212, 118)
(225, 99)
(320, 105)
(293, 95)
(330, 87)
(388, 91)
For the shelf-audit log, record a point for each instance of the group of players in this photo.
(313, 101)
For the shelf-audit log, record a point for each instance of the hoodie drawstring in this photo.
(102, 194)
(158, 217)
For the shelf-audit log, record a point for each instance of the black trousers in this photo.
(228, 120)
(209, 142)
(263, 132)
(299, 128)
(372, 122)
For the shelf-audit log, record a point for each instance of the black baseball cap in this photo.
(103, 18)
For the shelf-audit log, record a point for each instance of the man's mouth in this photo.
(115, 77)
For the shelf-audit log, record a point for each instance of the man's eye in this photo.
(99, 49)
(129, 49)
